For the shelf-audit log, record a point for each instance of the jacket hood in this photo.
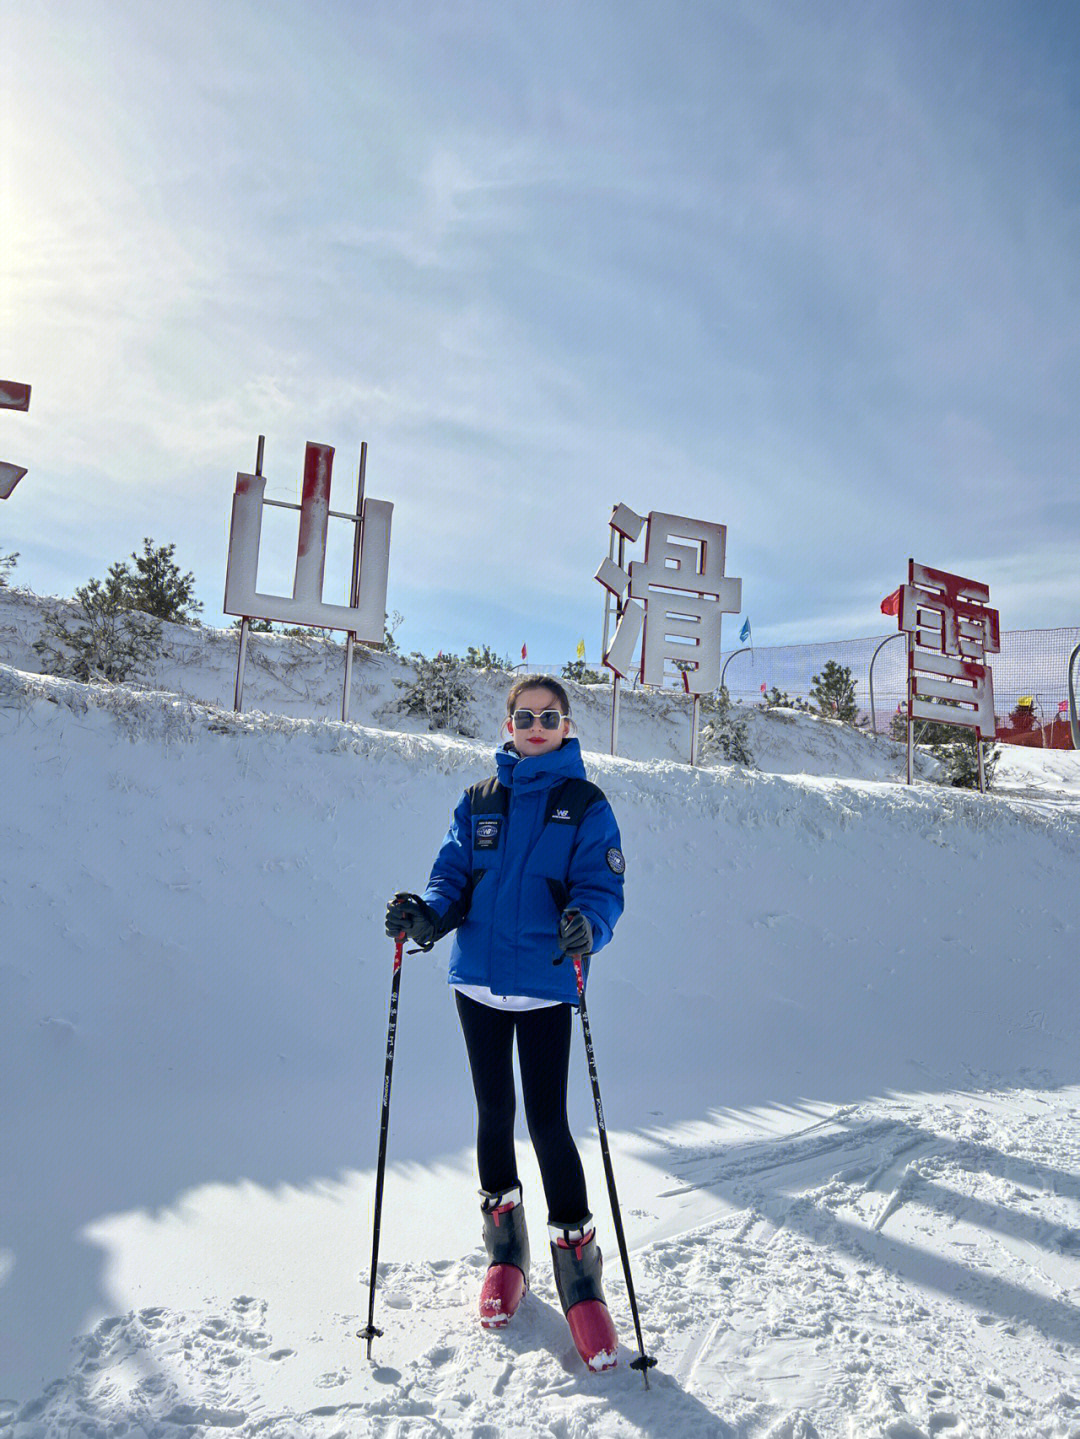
(526, 772)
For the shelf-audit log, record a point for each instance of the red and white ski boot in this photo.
(507, 1245)
(579, 1265)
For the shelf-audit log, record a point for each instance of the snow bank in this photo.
(191, 1048)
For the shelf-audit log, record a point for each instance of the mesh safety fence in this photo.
(1031, 663)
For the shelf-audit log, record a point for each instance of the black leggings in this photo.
(543, 1043)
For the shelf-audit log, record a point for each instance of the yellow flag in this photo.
(1028, 700)
(581, 649)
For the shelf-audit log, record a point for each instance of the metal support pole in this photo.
(354, 585)
(982, 771)
(873, 657)
(910, 684)
(241, 658)
(911, 723)
(241, 661)
(615, 688)
(694, 717)
(1074, 717)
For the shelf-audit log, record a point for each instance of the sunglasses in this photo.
(549, 719)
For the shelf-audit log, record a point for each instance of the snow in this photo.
(837, 1040)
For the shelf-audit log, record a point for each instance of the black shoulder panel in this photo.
(488, 796)
(570, 800)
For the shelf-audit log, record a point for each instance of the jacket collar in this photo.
(526, 772)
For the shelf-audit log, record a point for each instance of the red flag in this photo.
(762, 689)
(1063, 706)
(890, 605)
(524, 652)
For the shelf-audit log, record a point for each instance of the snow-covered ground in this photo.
(837, 1036)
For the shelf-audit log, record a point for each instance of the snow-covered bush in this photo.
(723, 733)
(483, 657)
(103, 640)
(962, 760)
(780, 699)
(575, 670)
(440, 692)
(7, 563)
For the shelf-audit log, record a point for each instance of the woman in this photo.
(530, 871)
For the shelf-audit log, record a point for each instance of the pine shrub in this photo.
(156, 587)
(576, 670)
(104, 640)
(833, 691)
(483, 657)
(724, 733)
(440, 692)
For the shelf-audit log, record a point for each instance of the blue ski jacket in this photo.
(503, 880)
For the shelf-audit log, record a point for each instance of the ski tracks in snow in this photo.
(899, 1270)
(904, 1269)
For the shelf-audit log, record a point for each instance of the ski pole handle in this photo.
(579, 974)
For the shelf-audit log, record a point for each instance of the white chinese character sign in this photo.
(951, 629)
(668, 605)
(12, 397)
(363, 618)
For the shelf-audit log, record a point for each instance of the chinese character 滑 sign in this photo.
(674, 600)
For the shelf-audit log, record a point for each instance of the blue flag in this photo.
(744, 633)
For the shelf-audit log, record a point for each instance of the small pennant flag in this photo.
(1027, 700)
(744, 633)
(763, 689)
(1063, 707)
(525, 652)
(890, 605)
(581, 649)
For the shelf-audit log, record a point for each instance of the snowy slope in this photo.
(303, 678)
(837, 1038)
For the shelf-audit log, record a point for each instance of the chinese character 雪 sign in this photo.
(676, 597)
(951, 630)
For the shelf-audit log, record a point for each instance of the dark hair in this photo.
(537, 682)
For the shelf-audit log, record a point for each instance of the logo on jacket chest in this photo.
(487, 832)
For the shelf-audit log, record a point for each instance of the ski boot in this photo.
(578, 1264)
(507, 1245)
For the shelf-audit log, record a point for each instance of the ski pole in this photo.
(371, 1332)
(644, 1362)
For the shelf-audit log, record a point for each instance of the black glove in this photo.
(408, 914)
(575, 933)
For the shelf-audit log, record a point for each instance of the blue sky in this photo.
(808, 270)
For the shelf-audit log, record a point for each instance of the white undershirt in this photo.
(483, 995)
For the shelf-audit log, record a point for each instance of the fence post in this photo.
(873, 657)
(746, 651)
